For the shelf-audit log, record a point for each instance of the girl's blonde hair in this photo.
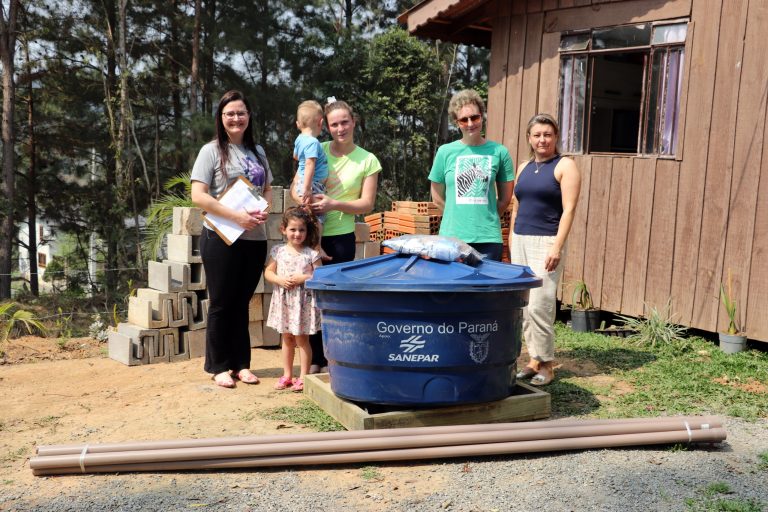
(543, 119)
(339, 104)
(308, 112)
(463, 98)
(304, 214)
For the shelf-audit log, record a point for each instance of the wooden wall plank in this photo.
(634, 11)
(756, 319)
(693, 168)
(748, 154)
(577, 238)
(514, 89)
(565, 4)
(658, 280)
(616, 236)
(497, 79)
(530, 91)
(719, 164)
(533, 6)
(549, 5)
(638, 235)
(549, 74)
(597, 223)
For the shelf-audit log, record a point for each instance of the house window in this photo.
(41, 260)
(620, 88)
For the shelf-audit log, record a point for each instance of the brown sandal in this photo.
(545, 376)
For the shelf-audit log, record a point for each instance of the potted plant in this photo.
(584, 316)
(734, 340)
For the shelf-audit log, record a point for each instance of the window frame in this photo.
(649, 50)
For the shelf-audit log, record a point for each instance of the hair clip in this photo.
(331, 99)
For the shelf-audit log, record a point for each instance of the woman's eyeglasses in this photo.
(232, 115)
(465, 120)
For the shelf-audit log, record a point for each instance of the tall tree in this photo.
(7, 59)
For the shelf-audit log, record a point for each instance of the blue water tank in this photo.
(403, 330)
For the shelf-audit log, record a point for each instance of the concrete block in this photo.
(192, 298)
(179, 316)
(260, 286)
(143, 339)
(266, 299)
(277, 200)
(190, 275)
(187, 221)
(160, 277)
(158, 298)
(142, 313)
(184, 248)
(256, 332)
(195, 342)
(371, 249)
(123, 349)
(160, 351)
(359, 250)
(288, 200)
(255, 311)
(199, 321)
(362, 232)
(273, 226)
(178, 348)
(271, 337)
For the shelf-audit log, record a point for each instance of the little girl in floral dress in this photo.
(293, 312)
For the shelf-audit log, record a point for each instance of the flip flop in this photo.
(526, 373)
(542, 379)
(224, 379)
(247, 377)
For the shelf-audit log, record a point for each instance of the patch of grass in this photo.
(306, 413)
(48, 421)
(693, 377)
(19, 453)
(762, 458)
(712, 501)
(370, 473)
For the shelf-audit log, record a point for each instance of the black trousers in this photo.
(342, 249)
(491, 250)
(231, 273)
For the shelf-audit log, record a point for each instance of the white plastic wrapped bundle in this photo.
(437, 247)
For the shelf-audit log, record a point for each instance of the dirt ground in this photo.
(73, 393)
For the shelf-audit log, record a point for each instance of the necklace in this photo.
(538, 166)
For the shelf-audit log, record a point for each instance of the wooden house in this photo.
(662, 104)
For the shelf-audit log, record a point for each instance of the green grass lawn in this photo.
(613, 377)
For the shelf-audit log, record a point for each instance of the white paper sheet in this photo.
(237, 197)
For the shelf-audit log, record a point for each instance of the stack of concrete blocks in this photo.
(167, 320)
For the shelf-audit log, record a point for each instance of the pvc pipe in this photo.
(348, 445)
(581, 443)
(713, 421)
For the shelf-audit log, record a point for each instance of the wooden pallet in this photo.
(527, 403)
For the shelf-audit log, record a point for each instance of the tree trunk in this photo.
(173, 65)
(111, 204)
(195, 68)
(34, 281)
(7, 52)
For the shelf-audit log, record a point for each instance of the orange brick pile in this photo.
(418, 218)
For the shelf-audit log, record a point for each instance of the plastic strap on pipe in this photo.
(705, 426)
(82, 458)
(690, 434)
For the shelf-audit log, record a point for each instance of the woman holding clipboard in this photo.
(232, 271)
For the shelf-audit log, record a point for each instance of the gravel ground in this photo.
(643, 479)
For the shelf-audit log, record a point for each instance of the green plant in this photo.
(729, 303)
(581, 298)
(370, 473)
(763, 457)
(658, 328)
(160, 212)
(13, 318)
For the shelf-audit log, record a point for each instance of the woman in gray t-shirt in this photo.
(232, 271)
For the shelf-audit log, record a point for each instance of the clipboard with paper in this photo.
(238, 196)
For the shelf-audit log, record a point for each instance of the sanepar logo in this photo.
(411, 345)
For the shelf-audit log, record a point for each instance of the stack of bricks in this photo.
(405, 218)
(167, 320)
(505, 225)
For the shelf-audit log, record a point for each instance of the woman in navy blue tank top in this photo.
(545, 197)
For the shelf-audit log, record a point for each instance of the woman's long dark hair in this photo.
(222, 139)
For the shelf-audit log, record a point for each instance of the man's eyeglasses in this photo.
(232, 115)
(465, 120)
